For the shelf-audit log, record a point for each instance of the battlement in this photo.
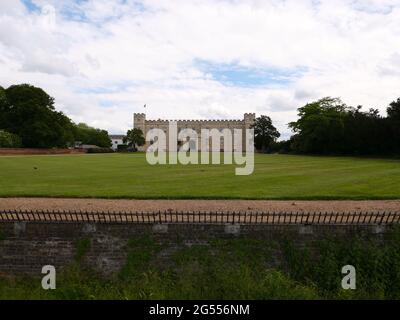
(249, 116)
(193, 121)
(139, 116)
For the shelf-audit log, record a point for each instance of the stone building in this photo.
(140, 121)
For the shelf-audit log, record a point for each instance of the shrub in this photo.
(9, 140)
(122, 148)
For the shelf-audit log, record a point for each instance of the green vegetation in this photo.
(130, 176)
(328, 126)
(82, 246)
(88, 135)
(134, 138)
(265, 134)
(231, 269)
(9, 140)
(29, 114)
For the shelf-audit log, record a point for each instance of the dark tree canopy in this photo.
(134, 138)
(393, 110)
(328, 126)
(90, 135)
(320, 125)
(28, 112)
(264, 133)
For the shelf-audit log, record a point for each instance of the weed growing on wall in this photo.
(237, 268)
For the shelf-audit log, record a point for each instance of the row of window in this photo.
(180, 129)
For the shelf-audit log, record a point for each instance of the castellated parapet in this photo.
(140, 121)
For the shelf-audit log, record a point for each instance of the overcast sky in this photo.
(103, 60)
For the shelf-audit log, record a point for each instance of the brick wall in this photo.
(24, 151)
(26, 247)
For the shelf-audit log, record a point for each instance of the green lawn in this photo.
(129, 176)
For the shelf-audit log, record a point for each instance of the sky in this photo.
(102, 60)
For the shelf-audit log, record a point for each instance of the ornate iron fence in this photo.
(202, 217)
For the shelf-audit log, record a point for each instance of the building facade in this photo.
(116, 140)
(140, 122)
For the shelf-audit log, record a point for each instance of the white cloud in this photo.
(145, 52)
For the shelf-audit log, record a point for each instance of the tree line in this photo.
(28, 119)
(329, 126)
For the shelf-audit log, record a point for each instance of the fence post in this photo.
(384, 213)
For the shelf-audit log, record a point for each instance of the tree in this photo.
(328, 126)
(29, 112)
(90, 135)
(3, 105)
(320, 127)
(393, 110)
(264, 133)
(134, 138)
(393, 122)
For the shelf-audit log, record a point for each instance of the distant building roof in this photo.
(116, 136)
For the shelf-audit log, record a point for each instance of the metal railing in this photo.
(203, 217)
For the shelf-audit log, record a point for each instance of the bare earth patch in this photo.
(93, 205)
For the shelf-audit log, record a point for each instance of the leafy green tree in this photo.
(328, 126)
(29, 112)
(265, 134)
(393, 110)
(320, 126)
(393, 120)
(3, 105)
(134, 138)
(9, 140)
(90, 135)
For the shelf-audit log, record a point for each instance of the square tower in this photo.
(249, 119)
(139, 121)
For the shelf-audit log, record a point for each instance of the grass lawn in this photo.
(130, 176)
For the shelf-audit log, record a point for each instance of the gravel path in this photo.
(197, 205)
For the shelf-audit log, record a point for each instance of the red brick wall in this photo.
(26, 151)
